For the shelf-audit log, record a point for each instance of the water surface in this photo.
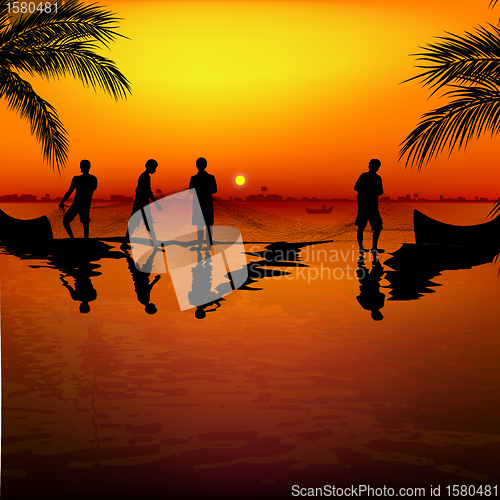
(290, 381)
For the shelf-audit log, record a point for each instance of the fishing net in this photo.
(254, 225)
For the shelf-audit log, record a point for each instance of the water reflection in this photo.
(279, 254)
(415, 266)
(127, 408)
(83, 290)
(370, 297)
(141, 277)
(201, 294)
(76, 259)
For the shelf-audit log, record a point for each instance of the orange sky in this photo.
(294, 95)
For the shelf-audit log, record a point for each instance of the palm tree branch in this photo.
(461, 59)
(471, 112)
(495, 209)
(77, 59)
(42, 117)
(73, 20)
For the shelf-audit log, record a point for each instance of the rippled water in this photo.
(289, 382)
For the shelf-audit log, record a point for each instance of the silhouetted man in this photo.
(369, 188)
(84, 186)
(144, 194)
(205, 186)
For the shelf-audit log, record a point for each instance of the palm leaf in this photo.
(63, 43)
(52, 45)
(470, 64)
(73, 20)
(42, 117)
(473, 58)
(77, 59)
(495, 209)
(471, 112)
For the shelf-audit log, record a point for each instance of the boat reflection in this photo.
(415, 266)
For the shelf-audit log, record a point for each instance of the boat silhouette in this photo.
(25, 232)
(323, 210)
(434, 232)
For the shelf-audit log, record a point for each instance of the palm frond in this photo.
(4, 17)
(473, 58)
(73, 20)
(65, 43)
(471, 112)
(52, 45)
(496, 208)
(77, 59)
(41, 116)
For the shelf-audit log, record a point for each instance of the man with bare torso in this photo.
(84, 186)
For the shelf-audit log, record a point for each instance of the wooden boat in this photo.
(24, 232)
(431, 231)
(319, 210)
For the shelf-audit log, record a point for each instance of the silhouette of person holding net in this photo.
(205, 186)
(84, 186)
(143, 195)
(369, 188)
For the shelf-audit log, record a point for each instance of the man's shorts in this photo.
(73, 211)
(372, 216)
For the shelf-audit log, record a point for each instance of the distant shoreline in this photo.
(342, 200)
(21, 199)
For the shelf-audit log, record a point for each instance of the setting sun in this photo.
(240, 180)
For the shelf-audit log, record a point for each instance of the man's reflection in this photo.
(201, 294)
(141, 279)
(83, 290)
(370, 296)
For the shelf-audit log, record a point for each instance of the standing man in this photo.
(143, 195)
(205, 186)
(84, 186)
(369, 188)
(143, 192)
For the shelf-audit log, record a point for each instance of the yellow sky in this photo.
(297, 96)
